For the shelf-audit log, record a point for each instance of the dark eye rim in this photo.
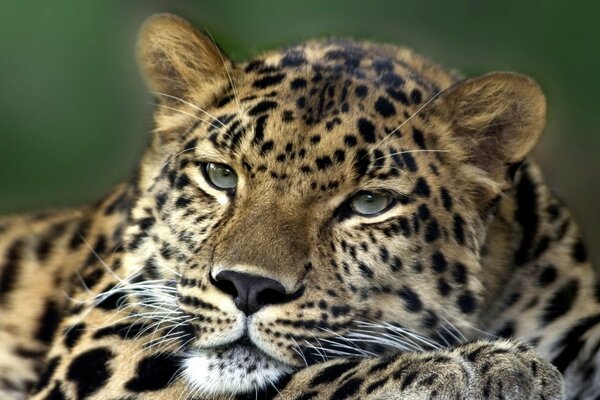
(204, 170)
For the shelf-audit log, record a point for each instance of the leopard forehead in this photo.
(327, 112)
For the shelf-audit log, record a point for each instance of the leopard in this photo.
(337, 219)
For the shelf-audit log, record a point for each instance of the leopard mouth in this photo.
(237, 368)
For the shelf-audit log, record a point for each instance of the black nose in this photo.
(251, 292)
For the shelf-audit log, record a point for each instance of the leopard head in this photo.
(326, 200)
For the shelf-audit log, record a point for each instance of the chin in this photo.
(239, 369)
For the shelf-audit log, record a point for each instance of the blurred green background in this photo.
(74, 116)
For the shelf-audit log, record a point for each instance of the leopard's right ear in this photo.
(178, 61)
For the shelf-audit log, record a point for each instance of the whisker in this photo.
(191, 105)
(233, 88)
(191, 115)
(411, 151)
(425, 105)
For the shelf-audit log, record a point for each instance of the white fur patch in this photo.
(240, 369)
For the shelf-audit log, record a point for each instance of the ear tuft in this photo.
(178, 60)
(496, 118)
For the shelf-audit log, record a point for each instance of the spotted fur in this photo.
(473, 283)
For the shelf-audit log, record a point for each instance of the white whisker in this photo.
(191, 105)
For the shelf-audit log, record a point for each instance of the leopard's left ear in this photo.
(177, 60)
(496, 119)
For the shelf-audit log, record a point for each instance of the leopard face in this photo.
(313, 196)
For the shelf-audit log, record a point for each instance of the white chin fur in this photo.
(241, 369)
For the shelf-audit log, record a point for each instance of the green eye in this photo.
(369, 203)
(221, 176)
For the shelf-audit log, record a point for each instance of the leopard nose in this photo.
(252, 292)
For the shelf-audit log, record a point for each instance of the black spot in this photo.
(423, 211)
(365, 270)
(121, 202)
(123, 330)
(396, 264)
(398, 95)
(547, 276)
(146, 223)
(391, 79)
(298, 83)
(507, 330)
(553, 211)
(262, 107)
(259, 130)
(10, 269)
(361, 91)
(339, 155)
(190, 145)
(111, 301)
(573, 342)
(459, 233)
(438, 262)
(384, 107)
(350, 140)
(323, 162)
(430, 319)
(411, 299)
(333, 372)
(408, 379)
(446, 198)
(267, 81)
(182, 181)
(92, 278)
(287, 116)
(347, 390)
(48, 322)
(579, 253)
(154, 372)
(266, 147)
(72, 334)
(44, 246)
(409, 161)
(293, 59)
(432, 232)
(415, 96)
(361, 162)
(160, 199)
(254, 65)
(315, 139)
(78, 235)
(367, 130)
(526, 215)
(422, 188)
(376, 385)
(181, 202)
(56, 393)
(443, 287)
(384, 254)
(467, 302)
(561, 301)
(48, 372)
(459, 273)
(418, 138)
(90, 371)
(383, 65)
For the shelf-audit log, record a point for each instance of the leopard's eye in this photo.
(221, 176)
(369, 204)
